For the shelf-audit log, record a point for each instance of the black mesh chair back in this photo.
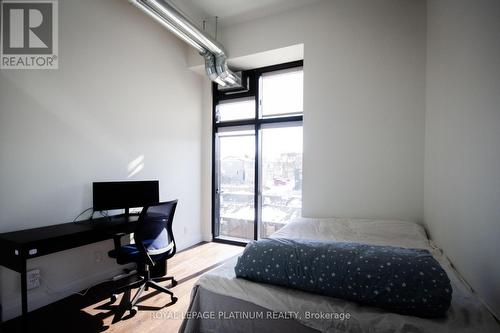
(154, 232)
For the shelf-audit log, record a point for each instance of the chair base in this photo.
(165, 278)
(143, 285)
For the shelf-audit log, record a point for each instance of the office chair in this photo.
(154, 242)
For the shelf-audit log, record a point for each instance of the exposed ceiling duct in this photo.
(215, 57)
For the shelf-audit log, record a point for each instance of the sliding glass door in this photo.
(257, 155)
(236, 183)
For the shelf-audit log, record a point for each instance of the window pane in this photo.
(281, 177)
(236, 184)
(236, 110)
(282, 93)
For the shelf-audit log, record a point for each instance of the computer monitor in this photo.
(124, 195)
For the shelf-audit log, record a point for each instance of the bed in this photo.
(220, 302)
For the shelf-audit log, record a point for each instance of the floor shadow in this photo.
(68, 315)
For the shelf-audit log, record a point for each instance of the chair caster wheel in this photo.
(174, 283)
(174, 299)
(133, 310)
(113, 298)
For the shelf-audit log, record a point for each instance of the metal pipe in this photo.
(181, 22)
(211, 70)
(213, 52)
(162, 20)
(224, 72)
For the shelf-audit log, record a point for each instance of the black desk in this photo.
(18, 246)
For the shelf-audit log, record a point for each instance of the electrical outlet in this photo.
(33, 279)
(185, 230)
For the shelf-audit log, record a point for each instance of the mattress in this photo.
(326, 314)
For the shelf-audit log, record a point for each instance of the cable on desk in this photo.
(86, 210)
(103, 213)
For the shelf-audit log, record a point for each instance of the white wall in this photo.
(462, 164)
(364, 101)
(206, 167)
(123, 93)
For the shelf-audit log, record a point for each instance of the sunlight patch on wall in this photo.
(135, 166)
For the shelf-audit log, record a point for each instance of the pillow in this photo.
(406, 281)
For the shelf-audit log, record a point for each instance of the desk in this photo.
(18, 246)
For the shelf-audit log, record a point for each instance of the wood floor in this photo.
(94, 313)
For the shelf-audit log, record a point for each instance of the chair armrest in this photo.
(117, 240)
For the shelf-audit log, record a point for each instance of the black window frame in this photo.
(253, 77)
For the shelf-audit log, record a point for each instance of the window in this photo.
(257, 155)
(281, 176)
(235, 110)
(282, 92)
(236, 183)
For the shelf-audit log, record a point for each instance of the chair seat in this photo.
(130, 253)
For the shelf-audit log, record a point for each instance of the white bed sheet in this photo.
(466, 314)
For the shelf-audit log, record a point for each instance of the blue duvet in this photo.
(406, 281)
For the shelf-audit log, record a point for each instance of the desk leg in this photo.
(24, 298)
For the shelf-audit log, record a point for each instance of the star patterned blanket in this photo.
(405, 281)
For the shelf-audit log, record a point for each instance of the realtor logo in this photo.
(29, 34)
